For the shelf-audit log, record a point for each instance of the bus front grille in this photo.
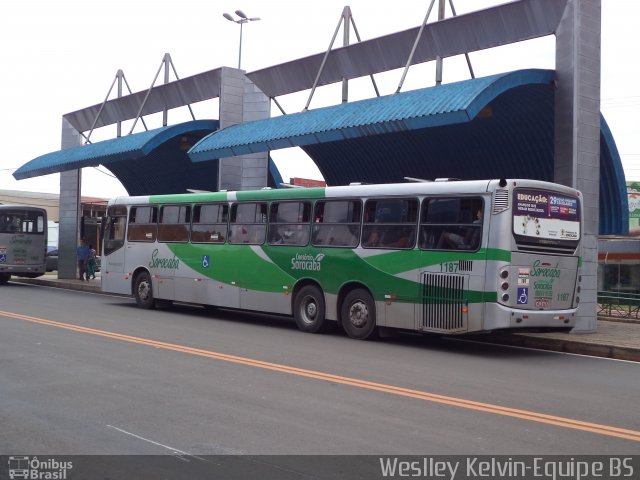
(443, 302)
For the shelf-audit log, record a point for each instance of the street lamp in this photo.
(241, 21)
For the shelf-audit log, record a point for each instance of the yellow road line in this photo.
(563, 422)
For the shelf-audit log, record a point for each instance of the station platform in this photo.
(615, 338)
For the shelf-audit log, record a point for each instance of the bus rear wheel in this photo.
(143, 291)
(358, 315)
(4, 278)
(309, 310)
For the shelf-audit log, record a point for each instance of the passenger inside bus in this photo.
(404, 239)
(467, 238)
(373, 240)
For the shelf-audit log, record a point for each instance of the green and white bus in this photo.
(23, 241)
(449, 257)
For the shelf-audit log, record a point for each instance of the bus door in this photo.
(113, 252)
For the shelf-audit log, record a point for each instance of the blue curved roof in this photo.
(501, 126)
(425, 108)
(154, 161)
(106, 152)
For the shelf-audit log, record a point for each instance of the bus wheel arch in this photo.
(309, 307)
(357, 312)
(4, 278)
(142, 289)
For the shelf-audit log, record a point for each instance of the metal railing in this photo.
(619, 304)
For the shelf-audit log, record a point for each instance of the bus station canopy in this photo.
(501, 126)
(154, 161)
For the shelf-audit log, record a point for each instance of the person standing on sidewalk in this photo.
(91, 263)
(82, 253)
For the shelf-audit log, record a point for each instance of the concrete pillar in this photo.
(577, 134)
(242, 101)
(69, 228)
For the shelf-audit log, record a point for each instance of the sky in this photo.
(61, 56)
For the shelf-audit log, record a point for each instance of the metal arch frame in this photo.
(492, 27)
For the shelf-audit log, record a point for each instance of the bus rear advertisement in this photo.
(449, 257)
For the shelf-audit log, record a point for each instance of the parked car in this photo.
(52, 260)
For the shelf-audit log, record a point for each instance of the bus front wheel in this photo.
(143, 291)
(358, 315)
(308, 309)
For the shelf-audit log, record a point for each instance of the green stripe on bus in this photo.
(281, 195)
(189, 198)
(404, 260)
(250, 195)
(229, 264)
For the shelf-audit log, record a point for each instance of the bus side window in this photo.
(451, 224)
(289, 223)
(248, 223)
(209, 223)
(174, 223)
(336, 223)
(390, 223)
(143, 224)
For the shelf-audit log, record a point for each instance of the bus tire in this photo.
(309, 310)
(358, 315)
(143, 291)
(4, 278)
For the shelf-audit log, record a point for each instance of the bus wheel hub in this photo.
(143, 291)
(312, 310)
(358, 314)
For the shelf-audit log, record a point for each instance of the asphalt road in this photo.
(87, 374)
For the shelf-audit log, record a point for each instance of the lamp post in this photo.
(241, 21)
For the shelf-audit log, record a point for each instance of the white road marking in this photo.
(176, 451)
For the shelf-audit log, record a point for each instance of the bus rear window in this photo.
(21, 221)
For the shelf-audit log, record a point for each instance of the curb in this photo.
(83, 287)
(565, 346)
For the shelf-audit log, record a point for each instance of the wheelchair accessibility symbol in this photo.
(206, 260)
(523, 296)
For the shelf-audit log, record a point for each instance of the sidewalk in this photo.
(614, 338)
